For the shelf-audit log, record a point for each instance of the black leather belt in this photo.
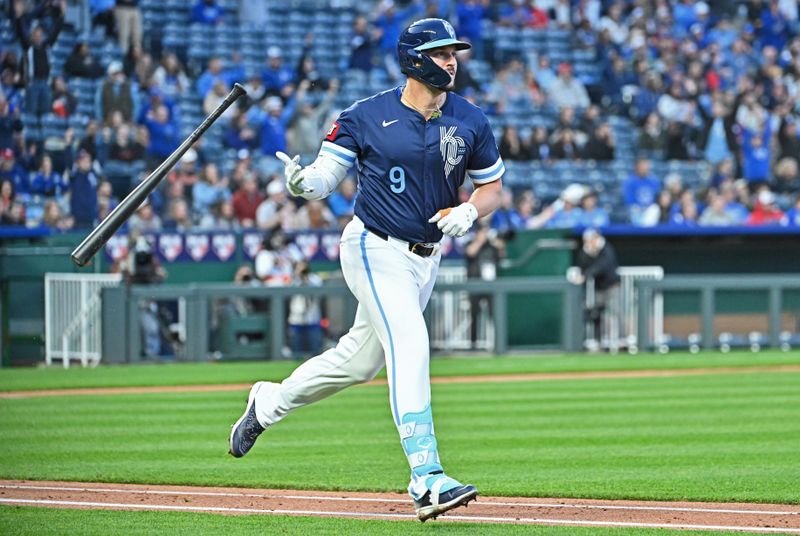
(420, 248)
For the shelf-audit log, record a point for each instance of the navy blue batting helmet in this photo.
(423, 35)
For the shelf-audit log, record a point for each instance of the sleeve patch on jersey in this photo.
(331, 135)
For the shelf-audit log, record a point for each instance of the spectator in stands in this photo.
(47, 182)
(390, 21)
(723, 173)
(787, 176)
(275, 260)
(506, 218)
(565, 145)
(209, 190)
(164, 135)
(511, 145)
(470, 15)
(170, 77)
(273, 125)
(115, 95)
(12, 212)
(539, 147)
(246, 201)
(207, 12)
(278, 78)
(13, 172)
(652, 138)
(215, 97)
(792, 216)
(676, 142)
(615, 77)
(277, 210)
(465, 77)
(640, 189)
(54, 218)
(102, 13)
(83, 191)
(35, 53)
(81, 63)
(305, 314)
(613, 23)
(11, 126)
(342, 202)
(765, 211)
(659, 212)
(220, 217)
(362, 45)
(240, 135)
(601, 145)
(788, 137)
(145, 220)
(129, 24)
(757, 155)
(567, 90)
(302, 136)
(716, 213)
(178, 216)
(125, 149)
(567, 212)
(315, 215)
(210, 76)
(717, 137)
(592, 214)
(64, 102)
(515, 14)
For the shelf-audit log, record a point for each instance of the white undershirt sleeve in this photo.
(324, 176)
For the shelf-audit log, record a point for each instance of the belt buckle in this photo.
(424, 249)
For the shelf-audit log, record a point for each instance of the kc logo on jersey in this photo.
(452, 147)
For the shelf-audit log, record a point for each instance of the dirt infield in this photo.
(762, 518)
(539, 376)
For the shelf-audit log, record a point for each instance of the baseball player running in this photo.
(413, 147)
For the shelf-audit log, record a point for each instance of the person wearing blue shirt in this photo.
(592, 215)
(412, 147)
(83, 191)
(207, 12)
(48, 182)
(276, 76)
(792, 216)
(757, 157)
(164, 134)
(10, 170)
(641, 188)
(273, 125)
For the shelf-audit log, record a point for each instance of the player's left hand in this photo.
(455, 221)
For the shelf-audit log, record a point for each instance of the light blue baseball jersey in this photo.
(410, 168)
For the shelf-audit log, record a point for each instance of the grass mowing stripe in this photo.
(24, 521)
(710, 438)
(220, 373)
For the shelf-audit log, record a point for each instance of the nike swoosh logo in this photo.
(387, 123)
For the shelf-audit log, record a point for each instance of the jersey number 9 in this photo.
(398, 177)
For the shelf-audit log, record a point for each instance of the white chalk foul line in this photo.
(577, 522)
(404, 501)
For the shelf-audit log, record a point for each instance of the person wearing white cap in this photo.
(277, 210)
(276, 76)
(766, 211)
(115, 95)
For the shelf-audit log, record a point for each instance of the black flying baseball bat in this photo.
(106, 229)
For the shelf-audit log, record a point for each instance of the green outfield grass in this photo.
(16, 521)
(242, 372)
(711, 437)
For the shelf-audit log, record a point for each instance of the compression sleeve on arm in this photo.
(324, 176)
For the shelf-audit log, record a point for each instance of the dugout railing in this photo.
(122, 329)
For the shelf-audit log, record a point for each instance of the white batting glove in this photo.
(293, 173)
(455, 221)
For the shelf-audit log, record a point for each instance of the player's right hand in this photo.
(293, 173)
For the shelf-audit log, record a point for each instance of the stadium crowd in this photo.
(714, 82)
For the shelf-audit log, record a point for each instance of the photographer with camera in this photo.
(142, 267)
(597, 261)
(483, 256)
(305, 314)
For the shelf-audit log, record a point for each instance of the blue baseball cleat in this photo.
(435, 502)
(247, 429)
